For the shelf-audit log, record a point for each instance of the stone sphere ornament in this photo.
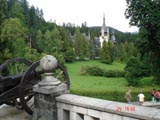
(48, 63)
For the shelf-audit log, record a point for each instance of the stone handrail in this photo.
(74, 107)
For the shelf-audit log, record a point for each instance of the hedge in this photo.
(96, 71)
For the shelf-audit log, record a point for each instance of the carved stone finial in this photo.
(49, 63)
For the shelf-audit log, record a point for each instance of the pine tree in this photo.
(107, 52)
(40, 41)
(53, 41)
(3, 9)
(67, 46)
(13, 40)
(92, 49)
(144, 14)
(111, 51)
(81, 46)
(105, 57)
(78, 45)
(16, 10)
(25, 6)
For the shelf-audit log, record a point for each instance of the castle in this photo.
(104, 34)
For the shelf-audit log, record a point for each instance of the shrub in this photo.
(109, 73)
(84, 70)
(132, 80)
(96, 71)
(114, 73)
(120, 73)
(107, 52)
(133, 71)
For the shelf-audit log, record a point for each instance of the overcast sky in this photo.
(90, 11)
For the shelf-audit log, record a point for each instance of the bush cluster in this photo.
(114, 73)
(96, 71)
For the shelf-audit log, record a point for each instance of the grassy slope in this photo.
(102, 87)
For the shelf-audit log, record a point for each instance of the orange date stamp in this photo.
(126, 108)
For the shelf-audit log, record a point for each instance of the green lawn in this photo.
(102, 87)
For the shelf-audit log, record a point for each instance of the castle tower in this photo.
(104, 33)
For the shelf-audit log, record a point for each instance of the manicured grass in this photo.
(85, 82)
(102, 87)
(77, 65)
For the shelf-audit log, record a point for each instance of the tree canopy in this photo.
(25, 33)
(145, 15)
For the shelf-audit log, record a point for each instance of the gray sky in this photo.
(90, 11)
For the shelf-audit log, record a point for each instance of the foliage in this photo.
(16, 10)
(67, 47)
(3, 8)
(81, 46)
(143, 14)
(107, 52)
(114, 73)
(33, 55)
(53, 42)
(40, 41)
(97, 71)
(133, 71)
(69, 55)
(94, 46)
(105, 57)
(124, 50)
(41, 37)
(111, 51)
(13, 39)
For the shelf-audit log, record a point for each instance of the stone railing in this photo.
(74, 107)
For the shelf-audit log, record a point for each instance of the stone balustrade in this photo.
(74, 107)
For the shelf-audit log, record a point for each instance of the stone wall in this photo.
(74, 107)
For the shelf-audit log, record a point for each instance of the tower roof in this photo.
(104, 24)
(104, 28)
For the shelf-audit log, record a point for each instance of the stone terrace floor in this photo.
(11, 113)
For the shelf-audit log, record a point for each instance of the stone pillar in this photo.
(46, 91)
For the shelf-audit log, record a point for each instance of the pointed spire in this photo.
(104, 24)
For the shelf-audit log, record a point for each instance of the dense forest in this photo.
(24, 33)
